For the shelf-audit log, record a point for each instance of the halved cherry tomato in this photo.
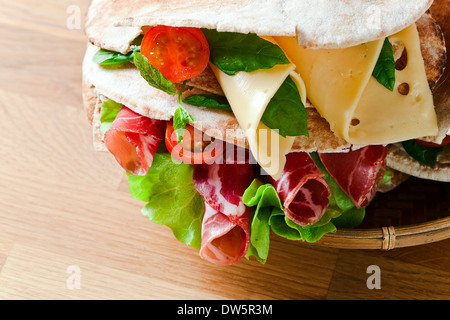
(195, 148)
(445, 142)
(179, 53)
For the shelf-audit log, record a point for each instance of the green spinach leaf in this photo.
(209, 101)
(384, 70)
(425, 155)
(152, 75)
(286, 111)
(181, 119)
(233, 52)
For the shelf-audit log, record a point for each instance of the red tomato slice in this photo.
(180, 53)
(195, 148)
(445, 142)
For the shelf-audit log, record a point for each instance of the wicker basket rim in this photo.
(389, 237)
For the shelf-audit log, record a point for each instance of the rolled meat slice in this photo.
(133, 140)
(302, 190)
(359, 172)
(225, 227)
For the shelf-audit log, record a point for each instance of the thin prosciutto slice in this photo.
(302, 190)
(359, 173)
(225, 228)
(133, 140)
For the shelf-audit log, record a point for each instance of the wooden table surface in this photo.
(70, 230)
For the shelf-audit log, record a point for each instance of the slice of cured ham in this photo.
(225, 228)
(133, 140)
(302, 190)
(359, 173)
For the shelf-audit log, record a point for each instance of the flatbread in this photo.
(315, 23)
(126, 86)
(398, 158)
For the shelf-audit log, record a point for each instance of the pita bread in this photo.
(126, 86)
(115, 24)
(398, 158)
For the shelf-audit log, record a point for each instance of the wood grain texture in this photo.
(63, 205)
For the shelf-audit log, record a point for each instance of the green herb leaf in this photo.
(209, 101)
(152, 75)
(172, 198)
(387, 176)
(286, 111)
(108, 114)
(234, 52)
(425, 155)
(107, 58)
(384, 70)
(181, 119)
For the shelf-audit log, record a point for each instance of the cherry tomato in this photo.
(179, 53)
(445, 142)
(195, 148)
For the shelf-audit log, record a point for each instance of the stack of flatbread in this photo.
(113, 25)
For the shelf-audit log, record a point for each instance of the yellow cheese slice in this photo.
(248, 95)
(340, 85)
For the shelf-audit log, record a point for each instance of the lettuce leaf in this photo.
(267, 202)
(108, 114)
(171, 197)
(268, 215)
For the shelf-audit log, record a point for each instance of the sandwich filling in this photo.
(219, 203)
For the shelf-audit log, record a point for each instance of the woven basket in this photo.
(415, 213)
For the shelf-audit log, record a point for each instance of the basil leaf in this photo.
(425, 155)
(152, 75)
(108, 114)
(181, 119)
(209, 101)
(172, 198)
(384, 70)
(286, 111)
(233, 52)
(106, 58)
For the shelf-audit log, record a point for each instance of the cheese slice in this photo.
(340, 85)
(249, 95)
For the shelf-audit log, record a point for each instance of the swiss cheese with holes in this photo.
(340, 85)
(249, 95)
